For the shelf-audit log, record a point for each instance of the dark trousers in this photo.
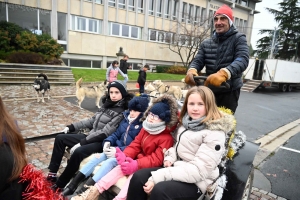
(166, 190)
(228, 99)
(142, 88)
(69, 140)
(8, 189)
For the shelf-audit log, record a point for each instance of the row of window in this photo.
(92, 63)
(172, 38)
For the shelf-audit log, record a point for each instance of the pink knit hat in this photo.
(226, 11)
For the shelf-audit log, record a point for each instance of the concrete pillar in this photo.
(104, 62)
(54, 19)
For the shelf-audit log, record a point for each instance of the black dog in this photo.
(41, 85)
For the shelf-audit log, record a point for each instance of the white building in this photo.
(92, 31)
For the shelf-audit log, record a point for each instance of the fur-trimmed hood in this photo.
(226, 123)
(173, 108)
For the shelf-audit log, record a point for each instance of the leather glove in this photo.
(74, 148)
(111, 152)
(129, 166)
(218, 78)
(189, 78)
(106, 146)
(120, 156)
(66, 130)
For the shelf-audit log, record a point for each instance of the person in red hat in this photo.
(225, 56)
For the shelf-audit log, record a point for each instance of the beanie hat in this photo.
(119, 85)
(227, 12)
(139, 103)
(162, 109)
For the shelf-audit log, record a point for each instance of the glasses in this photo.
(152, 116)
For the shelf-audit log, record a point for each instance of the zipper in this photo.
(179, 141)
(145, 139)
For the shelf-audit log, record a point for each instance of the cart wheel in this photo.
(283, 87)
(248, 187)
(289, 88)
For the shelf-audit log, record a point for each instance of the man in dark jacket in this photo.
(225, 56)
(124, 66)
(142, 78)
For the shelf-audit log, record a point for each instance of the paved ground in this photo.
(39, 120)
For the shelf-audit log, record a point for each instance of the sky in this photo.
(263, 20)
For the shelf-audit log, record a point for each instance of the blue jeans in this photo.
(107, 165)
(142, 88)
(125, 79)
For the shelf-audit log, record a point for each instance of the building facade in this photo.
(92, 31)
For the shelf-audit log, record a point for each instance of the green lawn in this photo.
(95, 75)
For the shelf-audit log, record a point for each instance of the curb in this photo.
(273, 140)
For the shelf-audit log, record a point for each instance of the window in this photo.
(245, 26)
(98, 1)
(152, 35)
(167, 8)
(115, 29)
(168, 38)
(197, 15)
(125, 31)
(122, 4)
(158, 8)
(81, 24)
(131, 5)
(174, 12)
(151, 7)
(96, 63)
(237, 23)
(2, 12)
(190, 13)
(140, 6)
(160, 36)
(80, 63)
(85, 24)
(184, 7)
(203, 12)
(92, 25)
(62, 26)
(112, 3)
(210, 16)
(244, 2)
(134, 32)
(183, 40)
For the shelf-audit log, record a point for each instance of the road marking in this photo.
(266, 108)
(289, 149)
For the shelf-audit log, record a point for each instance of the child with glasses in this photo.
(145, 151)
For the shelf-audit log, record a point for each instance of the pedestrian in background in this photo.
(142, 78)
(124, 66)
(112, 72)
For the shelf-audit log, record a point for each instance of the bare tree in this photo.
(187, 37)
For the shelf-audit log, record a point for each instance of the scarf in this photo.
(109, 103)
(192, 124)
(154, 128)
(131, 119)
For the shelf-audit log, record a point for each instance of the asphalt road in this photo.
(266, 110)
(282, 170)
